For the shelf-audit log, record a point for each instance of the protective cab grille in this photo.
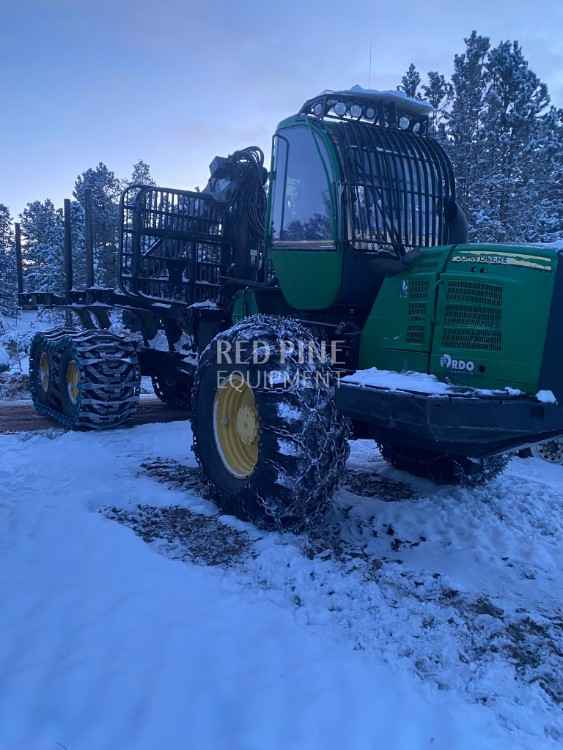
(398, 186)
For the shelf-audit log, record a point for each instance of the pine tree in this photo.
(410, 82)
(78, 235)
(543, 190)
(8, 284)
(43, 229)
(438, 92)
(464, 121)
(506, 146)
(141, 174)
(105, 190)
(514, 101)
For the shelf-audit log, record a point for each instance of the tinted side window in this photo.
(302, 207)
(279, 168)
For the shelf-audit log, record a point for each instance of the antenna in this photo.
(370, 59)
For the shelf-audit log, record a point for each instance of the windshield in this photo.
(302, 206)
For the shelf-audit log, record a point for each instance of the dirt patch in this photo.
(371, 484)
(174, 474)
(533, 645)
(179, 534)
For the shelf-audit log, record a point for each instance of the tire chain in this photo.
(317, 413)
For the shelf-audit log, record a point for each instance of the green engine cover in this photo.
(476, 315)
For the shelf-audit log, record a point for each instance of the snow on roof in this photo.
(407, 103)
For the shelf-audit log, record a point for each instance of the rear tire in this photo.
(273, 454)
(441, 468)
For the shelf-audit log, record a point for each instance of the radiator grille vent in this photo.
(474, 317)
(465, 338)
(474, 293)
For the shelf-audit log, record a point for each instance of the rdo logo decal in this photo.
(459, 365)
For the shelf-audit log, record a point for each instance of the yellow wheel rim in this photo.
(72, 381)
(44, 373)
(236, 427)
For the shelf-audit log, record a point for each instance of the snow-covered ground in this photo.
(134, 616)
(15, 338)
(16, 334)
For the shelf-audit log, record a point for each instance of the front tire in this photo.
(267, 435)
(441, 468)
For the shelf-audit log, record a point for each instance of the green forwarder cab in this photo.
(365, 233)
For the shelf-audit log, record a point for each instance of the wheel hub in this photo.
(235, 427)
(72, 381)
(246, 426)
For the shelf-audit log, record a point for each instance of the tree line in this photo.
(493, 116)
(504, 137)
(42, 227)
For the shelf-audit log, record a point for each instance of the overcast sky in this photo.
(175, 82)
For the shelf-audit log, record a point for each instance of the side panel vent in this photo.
(415, 334)
(418, 288)
(417, 311)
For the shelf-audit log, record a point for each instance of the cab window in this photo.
(302, 206)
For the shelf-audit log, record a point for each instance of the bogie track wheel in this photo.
(267, 435)
(93, 378)
(44, 363)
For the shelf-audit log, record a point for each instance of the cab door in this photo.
(302, 232)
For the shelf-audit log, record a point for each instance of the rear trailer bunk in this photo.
(180, 255)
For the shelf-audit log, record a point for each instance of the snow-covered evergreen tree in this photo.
(43, 229)
(410, 82)
(8, 283)
(78, 235)
(141, 174)
(439, 93)
(465, 118)
(515, 99)
(543, 190)
(105, 189)
(506, 146)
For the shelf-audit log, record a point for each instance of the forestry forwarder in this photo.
(358, 240)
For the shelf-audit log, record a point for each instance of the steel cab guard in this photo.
(356, 188)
